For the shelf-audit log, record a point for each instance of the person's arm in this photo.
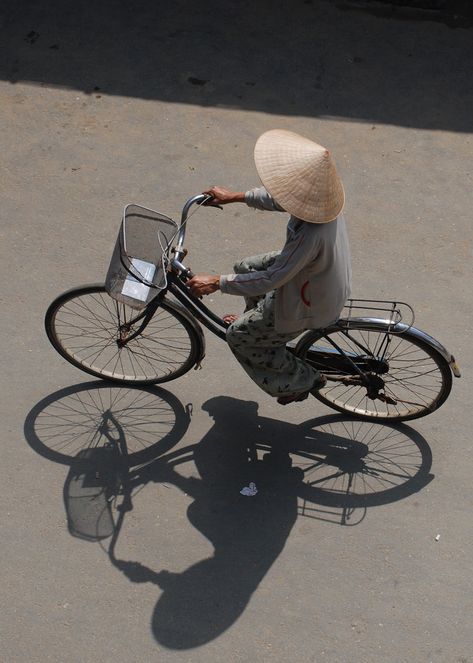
(203, 284)
(261, 199)
(296, 254)
(258, 198)
(222, 196)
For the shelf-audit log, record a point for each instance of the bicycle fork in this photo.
(145, 316)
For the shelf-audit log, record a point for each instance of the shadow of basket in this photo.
(102, 430)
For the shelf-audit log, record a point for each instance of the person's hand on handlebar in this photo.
(203, 284)
(222, 196)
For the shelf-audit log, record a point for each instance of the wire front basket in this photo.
(137, 271)
(391, 312)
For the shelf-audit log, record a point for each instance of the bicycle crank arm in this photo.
(386, 399)
(344, 379)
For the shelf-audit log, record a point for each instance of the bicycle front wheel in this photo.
(84, 326)
(416, 378)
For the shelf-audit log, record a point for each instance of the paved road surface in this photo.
(105, 103)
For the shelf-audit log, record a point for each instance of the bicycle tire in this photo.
(82, 324)
(404, 380)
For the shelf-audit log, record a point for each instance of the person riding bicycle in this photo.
(303, 286)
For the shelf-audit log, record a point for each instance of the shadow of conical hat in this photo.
(300, 175)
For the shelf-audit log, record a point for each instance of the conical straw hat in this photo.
(300, 175)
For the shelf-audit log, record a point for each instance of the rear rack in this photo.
(392, 312)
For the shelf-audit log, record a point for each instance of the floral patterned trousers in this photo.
(259, 348)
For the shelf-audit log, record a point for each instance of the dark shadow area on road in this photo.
(313, 58)
(454, 13)
(327, 469)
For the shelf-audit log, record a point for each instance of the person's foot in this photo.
(230, 317)
(319, 383)
(293, 398)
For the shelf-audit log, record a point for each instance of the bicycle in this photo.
(132, 332)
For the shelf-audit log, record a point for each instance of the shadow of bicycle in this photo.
(118, 440)
(101, 430)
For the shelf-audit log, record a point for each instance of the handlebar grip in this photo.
(208, 201)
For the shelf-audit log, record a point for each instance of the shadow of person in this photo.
(248, 533)
(331, 461)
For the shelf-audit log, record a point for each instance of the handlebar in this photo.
(179, 253)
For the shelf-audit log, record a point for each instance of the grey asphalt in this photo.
(105, 103)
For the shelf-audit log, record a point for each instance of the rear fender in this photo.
(380, 324)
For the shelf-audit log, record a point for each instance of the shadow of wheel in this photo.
(144, 421)
(355, 464)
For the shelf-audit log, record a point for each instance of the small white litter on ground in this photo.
(250, 490)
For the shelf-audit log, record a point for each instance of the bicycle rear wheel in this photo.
(83, 325)
(415, 377)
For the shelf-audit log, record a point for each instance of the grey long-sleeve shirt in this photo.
(311, 275)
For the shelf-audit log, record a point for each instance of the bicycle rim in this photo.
(417, 378)
(84, 325)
